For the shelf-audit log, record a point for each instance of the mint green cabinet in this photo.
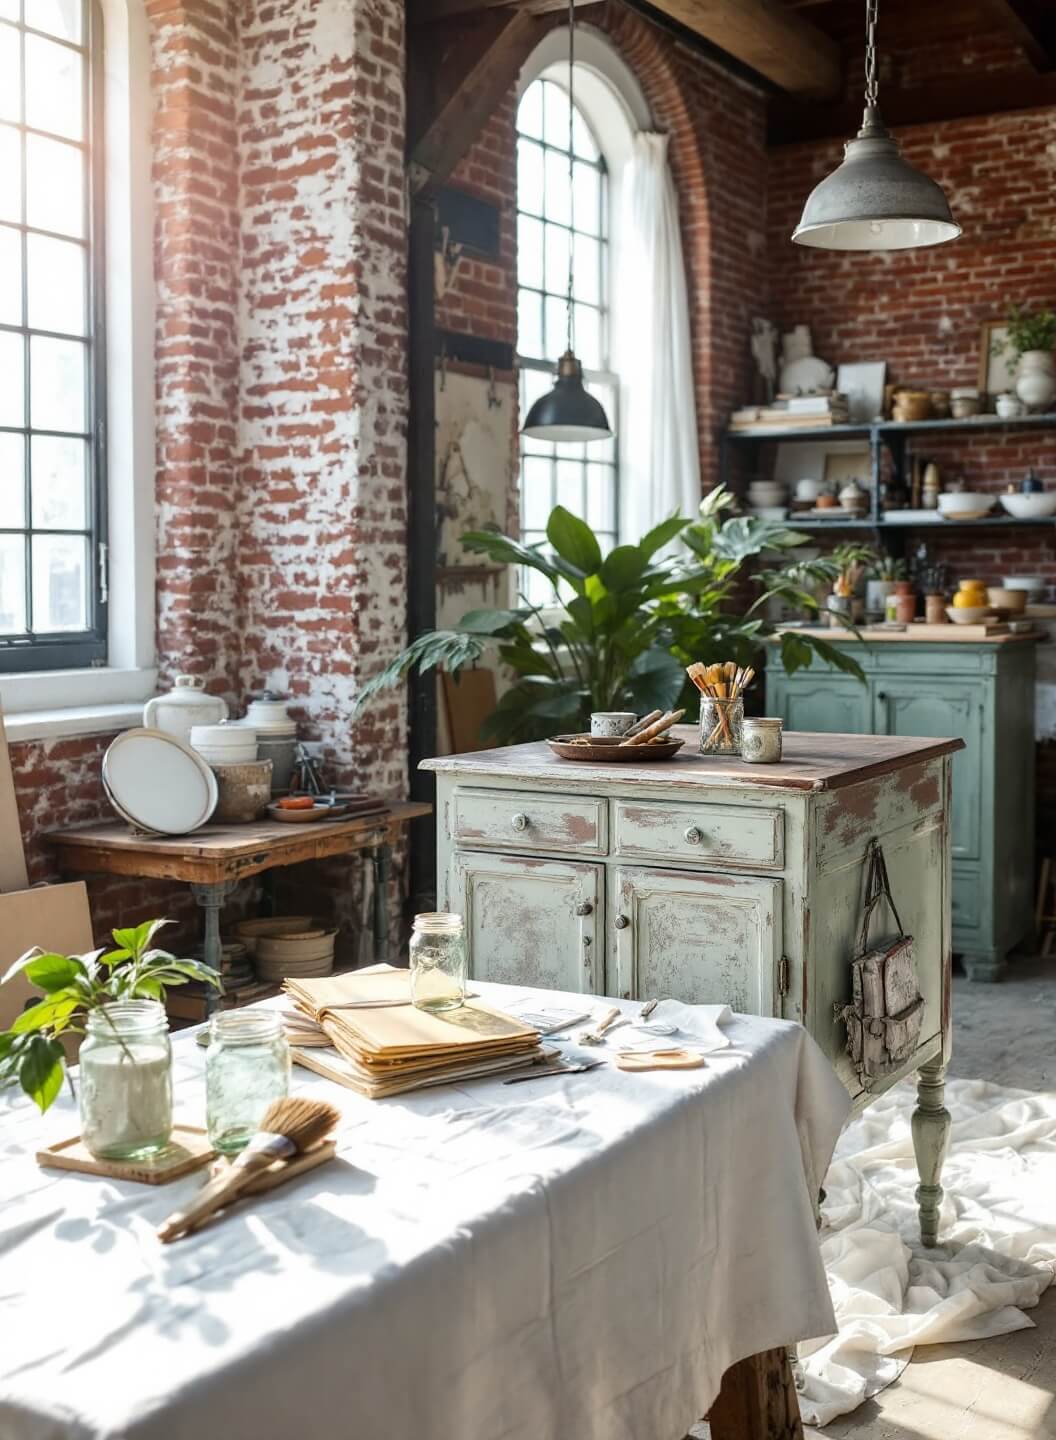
(983, 693)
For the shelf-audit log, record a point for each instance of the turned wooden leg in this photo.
(757, 1401)
(931, 1137)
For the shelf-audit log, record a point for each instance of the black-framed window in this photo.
(52, 393)
(550, 218)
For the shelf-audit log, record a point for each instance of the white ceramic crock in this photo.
(185, 706)
(1036, 379)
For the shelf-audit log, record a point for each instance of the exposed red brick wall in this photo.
(922, 311)
(281, 394)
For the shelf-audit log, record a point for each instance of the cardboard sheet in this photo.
(55, 917)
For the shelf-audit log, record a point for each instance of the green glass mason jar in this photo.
(125, 1090)
(247, 1066)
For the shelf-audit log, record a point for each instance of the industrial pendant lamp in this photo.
(875, 200)
(568, 412)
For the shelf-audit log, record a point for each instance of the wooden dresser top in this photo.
(811, 762)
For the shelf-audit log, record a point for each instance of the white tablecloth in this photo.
(581, 1256)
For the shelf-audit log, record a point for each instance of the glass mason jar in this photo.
(721, 724)
(438, 961)
(126, 1081)
(247, 1066)
(761, 740)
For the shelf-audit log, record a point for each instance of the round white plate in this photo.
(157, 783)
(806, 376)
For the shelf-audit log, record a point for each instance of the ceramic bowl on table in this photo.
(295, 955)
(965, 505)
(969, 614)
(1006, 602)
(1038, 506)
(225, 744)
(1034, 585)
(244, 792)
(250, 931)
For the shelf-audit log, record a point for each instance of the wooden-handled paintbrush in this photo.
(289, 1127)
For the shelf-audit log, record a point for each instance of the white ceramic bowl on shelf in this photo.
(1031, 507)
(1034, 585)
(969, 614)
(964, 504)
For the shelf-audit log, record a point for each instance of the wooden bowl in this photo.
(1012, 602)
(609, 750)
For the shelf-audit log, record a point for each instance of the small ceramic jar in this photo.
(761, 740)
(609, 724)
(964, 403)
(935, 609)
(1009, 406)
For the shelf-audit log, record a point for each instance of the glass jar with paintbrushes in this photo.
(721, 689)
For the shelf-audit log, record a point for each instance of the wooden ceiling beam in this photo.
(769, 38)
(791, 123)
(1032, 27)
(478, 71)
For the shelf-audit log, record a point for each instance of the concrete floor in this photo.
(1004, 1388)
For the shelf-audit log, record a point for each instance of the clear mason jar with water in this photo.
(125, 1089)
(438, 961)
(247, 1066)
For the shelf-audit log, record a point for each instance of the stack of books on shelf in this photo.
(794, 412)
(361, 1030)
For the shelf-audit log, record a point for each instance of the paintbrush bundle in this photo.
(383, 1045)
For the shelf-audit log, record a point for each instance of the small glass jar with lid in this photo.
(438, 961)
(247, 1066)
(125, 1090)
(761, 740)
(721, 723)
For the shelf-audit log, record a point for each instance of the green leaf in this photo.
(137, 939)
(836, 656)
(661, 535)
(506, 551)
(623, 567)
(53, 972)
(195, 970)
(45, 1014)
(40, 1070)
(654, 681)
(796, 652)
(20, 964)
(574, 540)
(490, 622)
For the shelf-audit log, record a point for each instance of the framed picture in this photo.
(863, 384)
(996, 372)
(851, 465)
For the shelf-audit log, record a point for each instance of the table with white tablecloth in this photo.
(582, 1255)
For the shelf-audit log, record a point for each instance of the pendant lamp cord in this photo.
(870, 54)
(570, 332)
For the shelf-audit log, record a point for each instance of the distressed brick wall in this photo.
(922, 311)
(281, 396)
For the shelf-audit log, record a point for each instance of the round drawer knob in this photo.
(520, 821)
(621, 922)
(694, 835)
(585, 908)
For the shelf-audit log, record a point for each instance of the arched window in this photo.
(551, 217)
(52, 499)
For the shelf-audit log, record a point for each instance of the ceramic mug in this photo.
(611, 723)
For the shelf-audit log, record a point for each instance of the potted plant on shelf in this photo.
(851, 563)
(880, 583)
(1031, 339)
(623, 626)
(115, 999)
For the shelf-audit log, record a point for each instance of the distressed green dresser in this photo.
(982, 691)
(710, 880)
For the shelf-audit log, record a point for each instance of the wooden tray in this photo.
(611, 751)
(188, 1150)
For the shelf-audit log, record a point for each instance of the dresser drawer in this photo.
(521, 820)
(710, 834)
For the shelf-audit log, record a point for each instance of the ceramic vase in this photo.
(1036, 379)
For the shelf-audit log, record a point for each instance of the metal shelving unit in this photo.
(892, 435)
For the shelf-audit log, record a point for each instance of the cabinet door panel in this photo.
(938, 709)
(838, 707)
(530, 922)
(697, 937)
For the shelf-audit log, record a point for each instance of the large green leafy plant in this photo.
(72, 986)
(624, 625)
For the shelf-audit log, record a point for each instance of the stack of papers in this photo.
(379, 1044)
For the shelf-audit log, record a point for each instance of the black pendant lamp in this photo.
(568, 412)
(875, 200)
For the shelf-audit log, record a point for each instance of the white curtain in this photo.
(660, 467)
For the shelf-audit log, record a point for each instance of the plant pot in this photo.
(903, 587)
(876, 593)
(1036, 379)
(905, 608)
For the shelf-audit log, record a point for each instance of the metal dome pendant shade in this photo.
(569, 412)
(875, 200)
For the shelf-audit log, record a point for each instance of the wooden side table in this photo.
(215, 858)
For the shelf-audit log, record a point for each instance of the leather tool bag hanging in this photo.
(887, 1010)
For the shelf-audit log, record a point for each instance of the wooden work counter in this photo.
(215, 858)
